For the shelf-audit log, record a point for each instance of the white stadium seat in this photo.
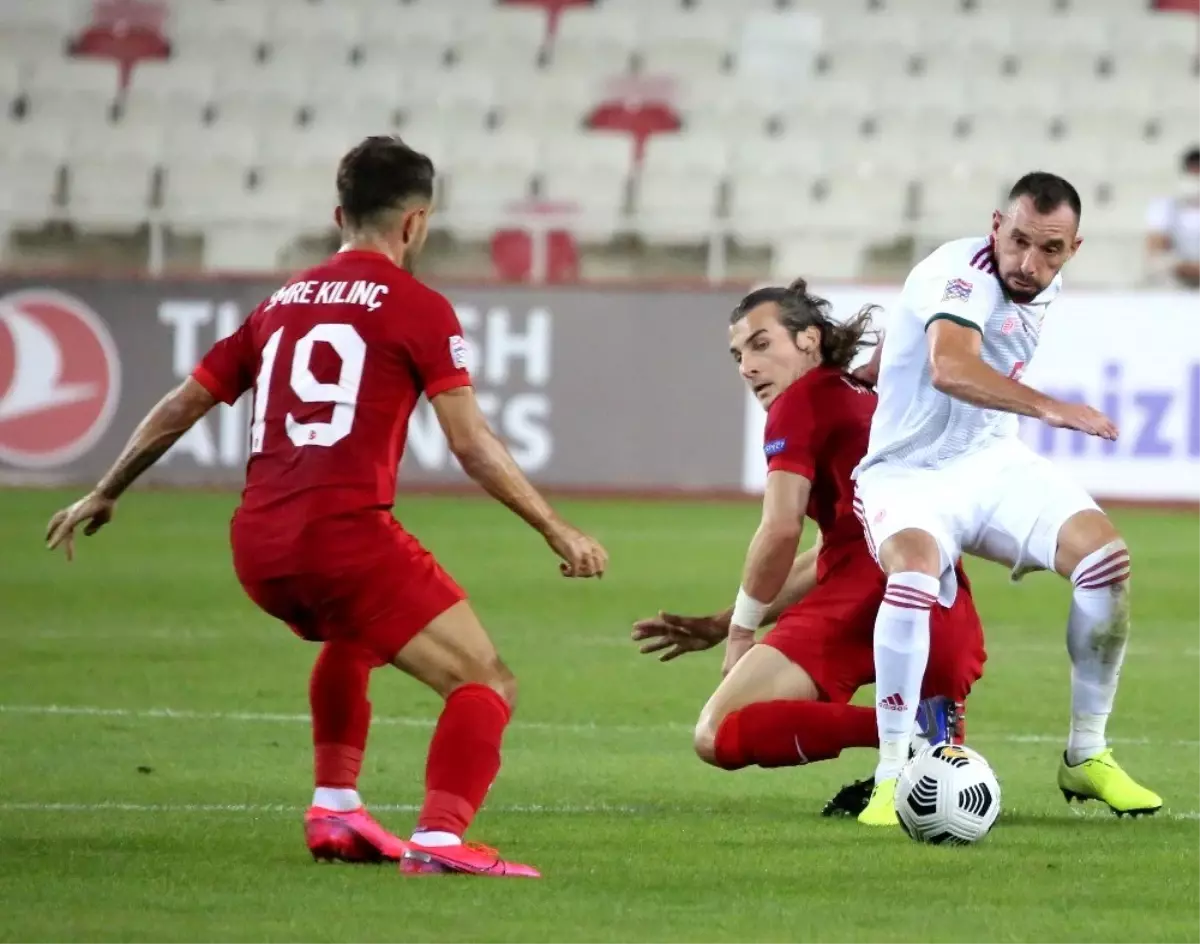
(110, 195)
(169, 93)
(30, 185)
(500, 38)
(486, 176)
(694, 44)
(601, 37)
(590, 171)
(679, 187)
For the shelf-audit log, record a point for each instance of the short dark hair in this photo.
(1191, 158)
(379, 174)
(1048, 192)
(799, 309)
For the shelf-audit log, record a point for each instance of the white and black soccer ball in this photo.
(947, 794)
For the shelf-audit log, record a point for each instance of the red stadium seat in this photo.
(1183, 6)
(127, 31)
(553, 9)
(639, 118)
(512, 256)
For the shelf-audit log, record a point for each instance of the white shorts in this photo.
(1004, 503)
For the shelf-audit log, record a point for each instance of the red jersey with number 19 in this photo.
(337, 358)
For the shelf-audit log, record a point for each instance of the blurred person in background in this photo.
(1173, 229)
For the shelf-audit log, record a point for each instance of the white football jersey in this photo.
(915, 425)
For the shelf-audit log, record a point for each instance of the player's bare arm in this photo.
(768, 560)
(489, 463)
(678, 634)
(170, 418)
(959, 371)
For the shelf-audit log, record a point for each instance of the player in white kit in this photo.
(946, 473)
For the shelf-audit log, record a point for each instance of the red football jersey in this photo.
(337, 358)
(818, 428)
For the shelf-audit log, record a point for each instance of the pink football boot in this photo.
(350, 837)
(468, 858)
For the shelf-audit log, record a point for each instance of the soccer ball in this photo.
(947, 794)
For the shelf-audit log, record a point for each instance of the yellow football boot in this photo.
(1101, 778)
(881, 808)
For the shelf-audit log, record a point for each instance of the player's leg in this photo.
(910, 526)
(455, 657)
(1063, 530)
(769, 712)
(336, 825)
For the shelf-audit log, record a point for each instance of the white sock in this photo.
(901, 652)
(1097, 631)
(337, 799)
(433, 838)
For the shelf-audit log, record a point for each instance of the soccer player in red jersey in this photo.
(337, 359)
(785, 701)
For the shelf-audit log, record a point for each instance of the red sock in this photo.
(464, 758)
(790, 733)
(341, 714)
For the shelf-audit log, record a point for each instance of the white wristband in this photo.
(747, 611)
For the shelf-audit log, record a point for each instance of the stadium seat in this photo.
(513, 252)
(871, 196)
(964, 36)
(957, 202)
(769, 194)
(451, 102)
(693, 44)
(218, 33)
(1108, 262)
(267, 96)
(338, 26)
(640, 120)
(591, 172)
(895, 33)
(596, 38)
(825, 255)
(551, 101)
(168, 93)
(486, 176)
(198, 194)
(717, 105)
(500, 38)
(109, 194)
(679, 187)
(776, 48)
(29, 191)
(75, 84)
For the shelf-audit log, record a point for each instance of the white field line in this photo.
(260, 809)
(174, 714)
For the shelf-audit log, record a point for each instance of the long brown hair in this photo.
(799, 310)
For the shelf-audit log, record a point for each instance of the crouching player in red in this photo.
(337, 359)
(785, 701)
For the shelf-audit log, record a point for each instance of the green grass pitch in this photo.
(166, 806)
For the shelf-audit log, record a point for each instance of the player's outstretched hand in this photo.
(1079, 416)
(582, 556)
(675, 635)
(95, 509)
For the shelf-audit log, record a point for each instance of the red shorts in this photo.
(830, 634)
(363, 579)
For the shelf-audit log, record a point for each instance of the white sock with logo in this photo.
(901, 652)
(1097, 631)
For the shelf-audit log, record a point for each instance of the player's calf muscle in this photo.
(455, 650)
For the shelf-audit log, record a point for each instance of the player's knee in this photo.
(911, 551)
(1106, 565)
(704, 741)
